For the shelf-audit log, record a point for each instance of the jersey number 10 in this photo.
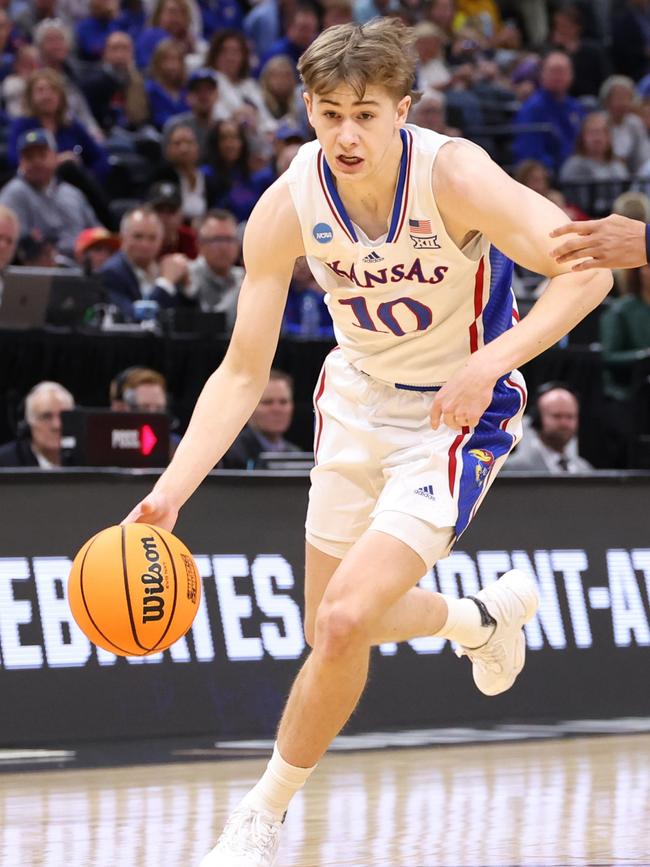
(385, 314)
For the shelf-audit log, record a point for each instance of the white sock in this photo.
(279, 783)
(464, 623)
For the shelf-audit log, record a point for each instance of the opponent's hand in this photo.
(613, 242)
(463, 399)
(155, 509)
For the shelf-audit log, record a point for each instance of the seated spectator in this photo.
(54, 42)
(93, 30)
(141, 389)
(278, 89)
(230, 165)
(138, 389)
(550, 443)
(42, 203)
(287, 137)
(594, 160)
(630, 140)
(443, 13)
(430, 41)
(266, 428)
(165, 199)
(229, 56)
(134, 274)
(93, 247)
(202, 95)
(196, 184)
(46, 107)
(591, 63)
(9, 234)
(115, 89)
(216, 278)
(165, 85)
(34, 251)
(552, 105)
(15, 84)
(337, 12)
(625, 335)
(533, 174)
(301, 30)
(306, 314)
(429, 112)
(38, 443)
(170, 19)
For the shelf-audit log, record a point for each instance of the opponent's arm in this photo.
(474, 194)
(272, 242)
(613, 242)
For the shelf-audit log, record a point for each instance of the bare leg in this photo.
(417, 613)
(376, 572)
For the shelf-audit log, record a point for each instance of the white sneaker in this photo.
(507, 603)
(249, 839)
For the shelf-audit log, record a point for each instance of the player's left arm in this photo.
(474, 194)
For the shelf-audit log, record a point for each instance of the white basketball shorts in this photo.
(379, 465)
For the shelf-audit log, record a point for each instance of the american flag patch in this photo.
(420, 227)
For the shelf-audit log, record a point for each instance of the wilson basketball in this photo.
(134, 589)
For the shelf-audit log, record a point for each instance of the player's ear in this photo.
(402, 110)
(309, 105)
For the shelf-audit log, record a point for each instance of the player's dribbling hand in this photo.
(154, 509)
(462, 400)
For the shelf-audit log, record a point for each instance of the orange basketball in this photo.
(134, 589)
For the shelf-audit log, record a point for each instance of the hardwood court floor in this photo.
(540, 804)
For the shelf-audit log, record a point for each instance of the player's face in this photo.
(356, 135)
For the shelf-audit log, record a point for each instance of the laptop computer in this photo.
(103, 438)
(24, 301)
(34, 297)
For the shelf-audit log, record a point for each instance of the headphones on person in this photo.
(117, 388)
(118, 383)
(534, 413)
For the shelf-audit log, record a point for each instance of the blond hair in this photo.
(379, 53)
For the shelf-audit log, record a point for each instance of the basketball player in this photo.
(408, 233)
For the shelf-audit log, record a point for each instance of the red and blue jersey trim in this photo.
(400, 203)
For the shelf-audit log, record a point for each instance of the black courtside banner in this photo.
(585, 539)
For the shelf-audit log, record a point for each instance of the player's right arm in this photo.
(272, 243)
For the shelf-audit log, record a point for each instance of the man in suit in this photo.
(266, 427)
(39, 444)
(550, 444)
(134, 273)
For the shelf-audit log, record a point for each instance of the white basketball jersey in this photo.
(409, 307)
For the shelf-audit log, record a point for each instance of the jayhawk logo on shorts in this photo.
(484, 462)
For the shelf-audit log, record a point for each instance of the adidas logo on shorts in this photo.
(426, 491)
(373, 257)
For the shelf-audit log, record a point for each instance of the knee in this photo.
(337, 630)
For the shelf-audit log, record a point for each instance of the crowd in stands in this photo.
(137, 136)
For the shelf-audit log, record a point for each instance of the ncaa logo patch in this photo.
(323, 233)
